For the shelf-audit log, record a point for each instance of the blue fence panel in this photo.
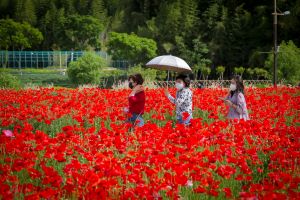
(43, 59)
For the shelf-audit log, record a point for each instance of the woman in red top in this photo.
(136, 100)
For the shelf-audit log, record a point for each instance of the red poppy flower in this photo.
(73, 143)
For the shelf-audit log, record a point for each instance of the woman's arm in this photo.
(227, 96)
(169, 96)
(137, 89)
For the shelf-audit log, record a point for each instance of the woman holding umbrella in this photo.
(182, 100)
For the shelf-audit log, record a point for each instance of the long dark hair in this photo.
(239, 85)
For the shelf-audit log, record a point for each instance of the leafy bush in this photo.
(9, 81)
(111, 76)
(86, 69)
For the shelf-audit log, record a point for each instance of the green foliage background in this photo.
(131, 47)
(288, 62)
(205, 33)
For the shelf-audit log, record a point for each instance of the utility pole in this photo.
(275, 45)
(275, 50)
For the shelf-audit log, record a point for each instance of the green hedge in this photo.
(9, 81)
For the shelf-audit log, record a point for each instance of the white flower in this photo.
(189, 183)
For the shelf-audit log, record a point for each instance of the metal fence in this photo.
(44, 59)
(213, 83)
(121, 84)
(120, 64)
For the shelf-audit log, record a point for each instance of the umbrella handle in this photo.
(168, 79)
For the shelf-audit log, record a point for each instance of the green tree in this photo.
(98, 10)
(250, 72)
(19, 36)
(136, 49)
(290, 25)
(68, 6)
(229, 26)
(81, 6)
(4, 7)
(288, 62)
(261, 73)
(238, 26)
(83, 31)
(168, 47)
(86, 70)
(7, 30)
(168, 20)
(196, 56)
(239, 70)
(175, 24)
(220, 71)
(189, 16)
(53, 24)
(236, 33)
(33, 35)
(115, 22)
(205, 71)
(25, 11)
(151, 30)
(135, 15)
(214, 23)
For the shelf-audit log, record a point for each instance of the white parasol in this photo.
(170, 63)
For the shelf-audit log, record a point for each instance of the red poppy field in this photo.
(73, 144)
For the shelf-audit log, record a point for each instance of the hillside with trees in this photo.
(206, 33)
